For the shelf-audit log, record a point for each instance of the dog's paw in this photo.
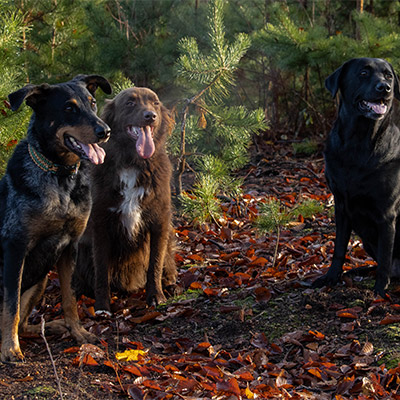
(11, 354)
(155, 299)
(81, 335)
(380, 288)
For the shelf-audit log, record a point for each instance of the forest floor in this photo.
(243, 328)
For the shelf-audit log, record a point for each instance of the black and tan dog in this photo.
(45, 200)
(362, 159)
(129, 242)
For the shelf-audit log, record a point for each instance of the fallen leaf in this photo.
(135, 392)
(146, 317)
(263, 295)
(390, 319)
(230, 386)
(130, 355)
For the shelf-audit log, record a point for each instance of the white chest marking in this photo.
(132, 195)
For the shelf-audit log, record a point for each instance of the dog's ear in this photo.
(332, 82)
(33, 94)
(92, 82)
(168, 119)
(108, 112)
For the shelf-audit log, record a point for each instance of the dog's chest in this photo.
(132, 195)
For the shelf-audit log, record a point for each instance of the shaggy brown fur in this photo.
(129, 242)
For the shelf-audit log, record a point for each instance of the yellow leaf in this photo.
(249, 393)
(130, 355)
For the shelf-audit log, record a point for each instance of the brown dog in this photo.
(129, 242)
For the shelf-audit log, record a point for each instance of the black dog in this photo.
(129, 242)
(45, 200)
(362, 159)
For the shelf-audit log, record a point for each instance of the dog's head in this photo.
(65, 124)
(367, 86)
(138, 114)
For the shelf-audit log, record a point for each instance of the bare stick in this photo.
(51, 357)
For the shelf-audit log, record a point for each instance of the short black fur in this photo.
(362, 166)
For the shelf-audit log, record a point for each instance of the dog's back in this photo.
(129, 243)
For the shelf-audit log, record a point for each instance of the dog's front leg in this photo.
(158, 248)
(65, 267)
(14, 257)
(343, 232)
(387, 232)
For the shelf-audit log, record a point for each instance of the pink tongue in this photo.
(145, 144)
(378, 108)
(94, 152)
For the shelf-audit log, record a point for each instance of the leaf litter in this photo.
(243, 328)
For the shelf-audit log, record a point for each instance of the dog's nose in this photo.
(383, 87)
(102, 132)
(150, 116)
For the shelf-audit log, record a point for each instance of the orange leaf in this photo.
(185, 232)
(231, 386)
(87, 359)
(179, 258)
(74, 349)
(246, 376)
(316, 372)
(346, 314)
(250, 252)
(262, 294)
(202, 346)
(318, 335)
(195, 285)
(390, 319)
(146, 317)
(195, 257)
(260, 261)
(349, 312)
(212, 371)
(227, 257)
(151, 384)
(91, 311)
(212, 292)
(110, 364)
(132, 370)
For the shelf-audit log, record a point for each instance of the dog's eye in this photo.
(130, 103)
(156, 103)
(93, 104)
(388, 76)
(364, 73)
(70, 108)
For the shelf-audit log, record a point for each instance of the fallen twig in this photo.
(51, 357)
